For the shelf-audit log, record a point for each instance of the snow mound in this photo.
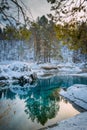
(78, 122)
(19, 67)
(16, 70)
(48, 66)
(80, 74)
(77, 94)
(68, 67)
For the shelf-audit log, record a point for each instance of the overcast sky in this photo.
(38, 7)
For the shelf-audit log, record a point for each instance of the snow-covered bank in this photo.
(69, 68)
(77, 94)
(78, 122)
(61, 68)
(16, 70)
(80, 74)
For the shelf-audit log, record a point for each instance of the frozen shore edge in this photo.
(78, 95)
(78, 122)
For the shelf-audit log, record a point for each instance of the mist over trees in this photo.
(45, 41)
(44, 38)
(63, 26)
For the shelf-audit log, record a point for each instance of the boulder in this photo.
(24, 79)
(27, 79)
(3, 78)
(33, 76)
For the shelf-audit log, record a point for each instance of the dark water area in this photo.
(31, 107)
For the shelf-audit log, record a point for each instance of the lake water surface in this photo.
(31, 107)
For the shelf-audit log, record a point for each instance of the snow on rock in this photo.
(69, 67)
(80, 74)
(77, 94)
(19, 67)
(78, 122)
(16, 70)
(62, 68)
(48, 67)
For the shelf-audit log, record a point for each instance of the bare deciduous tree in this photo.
(14, 12)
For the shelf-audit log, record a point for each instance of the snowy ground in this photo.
(19, 66)
(78, 122)
(15, 69)
(10, 71)
(77, 94)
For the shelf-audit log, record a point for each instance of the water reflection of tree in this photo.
(43, 108)
(6, 93)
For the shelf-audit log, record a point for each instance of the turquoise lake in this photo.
(31, 107)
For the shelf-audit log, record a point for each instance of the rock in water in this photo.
(27, 79)
(33, 76)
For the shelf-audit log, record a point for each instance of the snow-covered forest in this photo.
(43, 65)
(21, 50)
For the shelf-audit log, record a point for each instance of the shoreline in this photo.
(78, 121)
(80, 109)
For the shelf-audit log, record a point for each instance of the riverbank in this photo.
(78, 122)
(10, 70)
(78, 95)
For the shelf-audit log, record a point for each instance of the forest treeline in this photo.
(67, 25)
(48, 36)
(44, 37)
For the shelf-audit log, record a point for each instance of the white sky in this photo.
(41, 7)
(38, 7)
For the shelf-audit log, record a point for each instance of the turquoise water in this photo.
(30, 107)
